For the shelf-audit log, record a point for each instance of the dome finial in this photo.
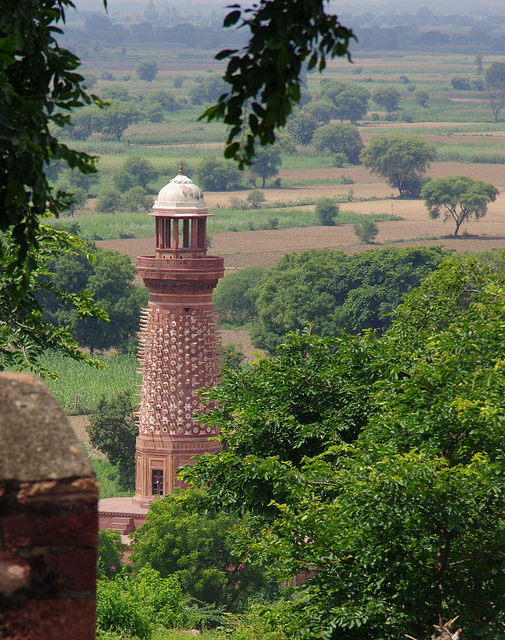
(181, 169)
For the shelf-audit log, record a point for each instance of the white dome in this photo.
(182, 195)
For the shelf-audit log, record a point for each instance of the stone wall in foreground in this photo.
(48, 519)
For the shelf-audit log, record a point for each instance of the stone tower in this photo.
(178, 345)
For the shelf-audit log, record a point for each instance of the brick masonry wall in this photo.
(48, 519)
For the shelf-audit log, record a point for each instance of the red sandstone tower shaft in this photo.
(178, 346)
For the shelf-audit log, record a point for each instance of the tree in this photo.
(82, 125)
(214, 174)
(231, 356)
(112, 285)
(338, 138)
(25, 332)
(180, 539)
(139, 170)
(326, 210)
(208, 90)
(422, 97)
(117, 117)
(461, 84)
(459, 198)
(494, 79)
(387, 97)
(335, 292)
(111, 550)
(266, 163)
(230, 297)
(301, 127)
(349, 98)
(112, 429)
(147, 69)
(312, 395)
(265, 77)
(109, 200)
(40, 86)
(398, 157)
(110, 280)
(322, 109)
(398, 524)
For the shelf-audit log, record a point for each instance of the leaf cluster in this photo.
(113, 430)
(399, 524)
(39, 85)
(264, 77)
(25, 332)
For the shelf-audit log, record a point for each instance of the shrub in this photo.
(135, 199)
(108, 201)
(339, 160)
(326, 210)
(255, 198)
(366, 231)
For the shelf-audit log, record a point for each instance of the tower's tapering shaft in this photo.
(178, 345)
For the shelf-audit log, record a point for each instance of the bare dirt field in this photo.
(264, 248)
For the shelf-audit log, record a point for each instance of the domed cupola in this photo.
(181, 219)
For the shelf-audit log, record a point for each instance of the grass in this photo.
(79, 386)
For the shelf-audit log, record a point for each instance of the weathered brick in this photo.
(14, 573)
(74, 569)
(49, 620)
(32, 530)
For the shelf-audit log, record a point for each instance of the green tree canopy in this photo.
(350, 99)
(112, 429)
(326, 210)
(267, 161)
(313, 394)
(147, 69)
(399, 158)
(208, 90)
(322, 109)
(458, 198)
(40, 85)
(386, 97)
(494, 79)
(301, 127)
(216, 174)
(422, 97)
(399, 527)
(338, 138)
(180, 539)
(231, 299)
(117, 117)
(110, 280)
(26, 332)
(136, 171)
(265, 77)
(334, 291)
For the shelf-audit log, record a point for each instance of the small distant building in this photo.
(178, 344)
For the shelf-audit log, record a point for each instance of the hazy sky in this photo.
(396, 6)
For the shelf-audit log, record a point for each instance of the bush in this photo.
(326, 210)
(461, 84)
(339, 160)
(110, 553)
(108, 201)
(137, 605)
(366, 231)
(255, 198)
(135, 199)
